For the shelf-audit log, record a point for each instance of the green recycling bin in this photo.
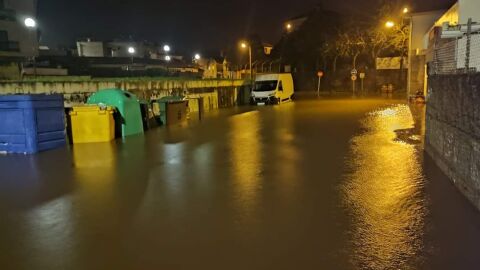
(128, 106)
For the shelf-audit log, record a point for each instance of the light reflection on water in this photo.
(384, 194)
(245, 143)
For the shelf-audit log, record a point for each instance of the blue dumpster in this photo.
(31, 123)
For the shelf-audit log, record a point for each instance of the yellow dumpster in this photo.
(92, 124)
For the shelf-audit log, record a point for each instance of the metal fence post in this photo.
(469, 41)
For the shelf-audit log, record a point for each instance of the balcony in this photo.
(9, 46)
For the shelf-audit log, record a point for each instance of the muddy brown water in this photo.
(329, 184)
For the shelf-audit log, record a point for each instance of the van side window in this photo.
(280, 86)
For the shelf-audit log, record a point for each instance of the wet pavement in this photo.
(331, 184)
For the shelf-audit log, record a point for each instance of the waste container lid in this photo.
(112, 94)
(90, 108)
(34, 97)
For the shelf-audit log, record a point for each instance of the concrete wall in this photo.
(9, 70)
(469, 9)
(453, 130)
(420, 24)
(216, 93)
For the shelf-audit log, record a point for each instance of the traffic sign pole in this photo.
(354, 78)
(362, 78)
(319, 85)
(320, 75)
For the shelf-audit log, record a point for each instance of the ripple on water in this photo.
(383, 194)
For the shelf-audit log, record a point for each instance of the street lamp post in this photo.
(31, 24)
(131, 51)
(245, 45)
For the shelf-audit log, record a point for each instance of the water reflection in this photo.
(96, 172)
(246, 146)
(49, 231)
(287, 156)
(384, 194)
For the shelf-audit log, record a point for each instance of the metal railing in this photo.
(458, 51)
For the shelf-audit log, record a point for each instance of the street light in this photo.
(389, 24)
(405, 10)
(131, 50)
(166, 48)
(289, 26)
(245, 45)
(197, 56)
(168, 58)
(30, 23)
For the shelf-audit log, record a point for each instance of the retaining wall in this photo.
(216, 93)
(453, 130)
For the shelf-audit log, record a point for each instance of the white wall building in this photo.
(425, 29)
(16, 39)
(90, 48)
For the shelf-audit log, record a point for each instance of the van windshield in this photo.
(263, 86)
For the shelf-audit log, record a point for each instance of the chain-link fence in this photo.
(457, 56)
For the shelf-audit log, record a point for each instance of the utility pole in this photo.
(247, 45)
(250, 61)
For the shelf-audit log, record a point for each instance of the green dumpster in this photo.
(128, 106)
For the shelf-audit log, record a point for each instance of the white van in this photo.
(272, 88)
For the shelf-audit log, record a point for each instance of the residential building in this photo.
(426, 29)
(16, 39)
(89, 48)
(420, 24)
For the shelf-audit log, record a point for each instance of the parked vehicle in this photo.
(272, 89)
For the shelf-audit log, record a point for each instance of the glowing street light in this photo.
(197, 56)
(389, 24)
(405, 10)
(30, 23)
(289, 26)
(166, 48)
(168, 58)
(245, 45)
(131, 50)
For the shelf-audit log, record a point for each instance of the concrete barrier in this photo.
(77, 91)
(453, 130)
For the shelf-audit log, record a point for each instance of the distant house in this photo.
(89, 48)
(215, 68)
(267, 48)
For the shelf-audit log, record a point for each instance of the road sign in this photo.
(362, 75)
(354, 72)
(320, 74)
(354, 77)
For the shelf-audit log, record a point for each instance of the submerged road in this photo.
(331, 184)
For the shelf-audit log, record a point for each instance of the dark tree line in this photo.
(337, 43)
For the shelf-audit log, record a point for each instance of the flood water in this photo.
(329, 184)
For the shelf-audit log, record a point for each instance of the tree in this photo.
(352, 43)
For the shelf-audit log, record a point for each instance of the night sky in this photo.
(188, 25)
